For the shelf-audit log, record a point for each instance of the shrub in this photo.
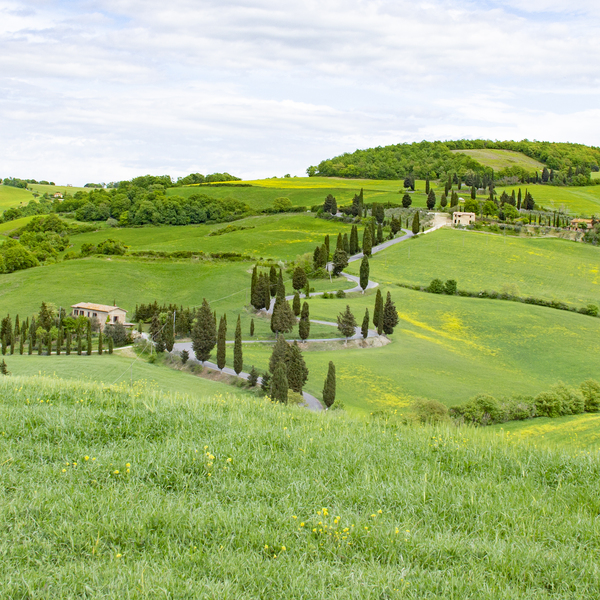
(118, 333)
(427, 410)
(592, 310)
(340, 294)
(590, 391)
(482, 410)
(548, 404)
(519, 408)
(572, 402)
(450, 287)
(436, 287)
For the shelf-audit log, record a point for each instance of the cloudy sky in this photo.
(101, 90)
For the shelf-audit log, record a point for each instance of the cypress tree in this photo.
(365, 325)
(340, 262)
(278, 354)
(340, 242)
(346, 244)
(367, 241)
(346, 323)
(68, 344)
(12, 341)
(40, 345)
(154, 327)
(329, 386)
(265, 383)
(364, 273)
(304, 325)
(238, 359)
(297, 372)
(253, 377)
(266, 288)
(111, 345)
(443, 201)
(33, 330)
(299, 279)
(519, 200)
(379, 234)
(427, 188)
(4, 368)
(296, 304)
(416, 224)
(327, 245)
(324, 256)
(255, 300)
(473, 193)
(169, 333)
(279, 384)
(380, 323)
(252, 328)
(49, 342)
(4, 344)
(21, 344)
(354, 247)
(390, 315)
(378, 308)
(30, 345)
(273, 281)
(282, 319)
(89, 338)
(221, 338)
(100, 340)
(59, 341)
(431, 199)
(204, 333)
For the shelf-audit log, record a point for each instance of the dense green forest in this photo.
(566, 164)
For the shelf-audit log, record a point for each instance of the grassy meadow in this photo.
(107, 493)
(501, 159)
(548, 268)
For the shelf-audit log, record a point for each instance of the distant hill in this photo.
(440, 159)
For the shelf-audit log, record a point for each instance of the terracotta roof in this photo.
(101, 307)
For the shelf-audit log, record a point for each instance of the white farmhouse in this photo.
(102, 312)
(463, 218)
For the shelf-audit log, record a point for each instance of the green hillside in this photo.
(502, 159)
(105, 494)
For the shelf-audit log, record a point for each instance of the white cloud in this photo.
(105, 89)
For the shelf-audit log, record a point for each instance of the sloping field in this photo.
(119, 495)
(501, 159)
(548, 268)
(12, 196)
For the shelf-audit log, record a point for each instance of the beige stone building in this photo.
(102, 312)
(463, 218)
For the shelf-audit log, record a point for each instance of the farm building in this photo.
(463, 218)
(581, 224)
(102, 312)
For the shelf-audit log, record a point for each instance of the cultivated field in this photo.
(501, 159)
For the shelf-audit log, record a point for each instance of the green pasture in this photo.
(548, 268)
(53, 189)
(10, 226)
(116, 369)
(12, 196)
(574, 200)
(596, 175)
(579, 433)
(118, 494)
(450, 349)
(501, 159)
(280, 237)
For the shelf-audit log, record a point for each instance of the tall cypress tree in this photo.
(68, 344)
(273, 280)
(296, 304)
(367, 241)
(297, 372)
(59, 341)
(238, 359)
(89, 338)
(30, 345)
(364, 330)
(416, 225)
(21, 344)
(519, 200)
(329, 386)
(169, 333)
(328, 246)
(378, 307)
(221, 339)
(204, 333)
(100, 343)
(390, 315)
(364, 273)
(427, 188)
(353, 240)
(111, 345)
(255, 299)
(379, 234)
(12, 341)
(278, 354)
(473, 193)
(346, 244)
(340, 242)
(299, 279)
(304, 325)
(279, 384)
(251, 327)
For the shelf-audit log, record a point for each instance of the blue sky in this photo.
(100, 90)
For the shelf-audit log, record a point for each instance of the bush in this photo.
(436, 287)
(118, 333)
(572, 402)
(482, 410)
(450, 287)
(427, 410)
(548, 404)
(340, 294)
(590, 390)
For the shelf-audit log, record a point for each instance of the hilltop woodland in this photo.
(565, 164)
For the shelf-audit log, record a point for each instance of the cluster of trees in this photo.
(385, 318)
(23, 183)
(505, 206)
(53, 331)
(196, 178)
(287, 371)
(566, 164)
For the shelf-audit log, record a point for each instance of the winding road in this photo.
(312, 402)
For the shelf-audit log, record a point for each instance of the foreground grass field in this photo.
(105, 494)
(546, 268)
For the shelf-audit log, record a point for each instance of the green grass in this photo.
(548, 268)
(578, 432)
(107, 494)
(500, 159)
(115, 369)
(282, 237)
(8, 227)
(450, 349)
(12, 196)
(596, 175)
(53, 189)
